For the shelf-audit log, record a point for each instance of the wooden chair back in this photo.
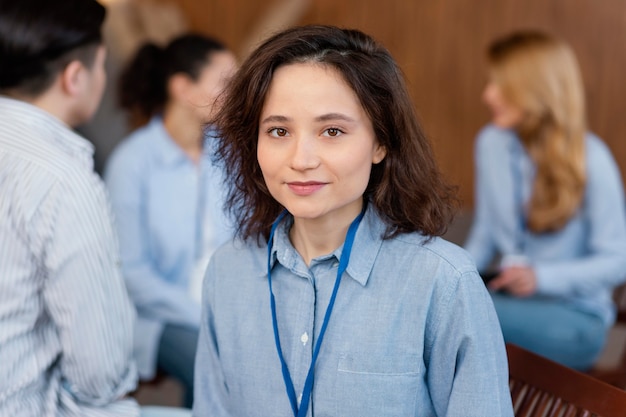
(541, 387)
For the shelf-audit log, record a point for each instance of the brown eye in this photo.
(277, 132)
(332, 132)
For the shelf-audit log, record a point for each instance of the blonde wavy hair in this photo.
(540, 75)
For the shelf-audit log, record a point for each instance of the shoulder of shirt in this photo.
(493, 137)
(138, 142)
(238, 254)
(244, 261)
(236, 246)
(49, 164)
(52, 176)
(596, 148)
(36, 165)
(435, 248)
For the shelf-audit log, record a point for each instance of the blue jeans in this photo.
(177, 355)
(552, 329)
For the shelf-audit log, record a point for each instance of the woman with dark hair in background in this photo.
(549, 202)
(339, 203)
(167, 196)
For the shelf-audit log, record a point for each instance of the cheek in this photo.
(211, 89)
(492, 100)
(102, 86)
(358, 169)
(266, 158)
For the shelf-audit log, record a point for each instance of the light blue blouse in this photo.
(169, 214)
(579, 264)
(413, 331)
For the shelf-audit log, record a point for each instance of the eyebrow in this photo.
(334, 116)
(322, 118)
(275, 118)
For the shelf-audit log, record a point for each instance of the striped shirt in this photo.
(65, 318)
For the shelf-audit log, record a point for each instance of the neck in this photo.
(316, 237)
(186, 131)
(52, 103)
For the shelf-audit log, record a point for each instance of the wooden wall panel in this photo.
(440, 46)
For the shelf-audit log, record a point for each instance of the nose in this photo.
(305, 153)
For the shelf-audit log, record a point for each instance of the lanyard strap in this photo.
(343, 264)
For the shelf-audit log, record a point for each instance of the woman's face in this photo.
(211, 83)
(316, 144)
(504, 113)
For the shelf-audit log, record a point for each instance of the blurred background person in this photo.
(128, 26)
(66, 323)
(549, 203)
(167, 196)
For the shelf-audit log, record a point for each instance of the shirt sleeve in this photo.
(153, 295)
(85, 295)
(604, 265)
(480, 243)
(465, 354)
(210, 388)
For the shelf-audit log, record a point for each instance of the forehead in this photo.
(316, 83)
(220, 62)
(310, 71)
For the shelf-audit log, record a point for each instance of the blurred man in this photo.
(65, 318)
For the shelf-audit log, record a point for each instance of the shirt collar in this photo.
(367, 243)
(167, 150)
(49, 128)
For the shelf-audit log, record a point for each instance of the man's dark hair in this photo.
(38, 38)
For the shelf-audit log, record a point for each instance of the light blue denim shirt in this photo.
(580, 263)
(168, 212)
(413, 331)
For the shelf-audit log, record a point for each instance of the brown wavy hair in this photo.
(406, 188)
(540, 74)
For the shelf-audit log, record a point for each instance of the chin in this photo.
(502, 124)
(83, 115)
(308, 213)
(305, 214)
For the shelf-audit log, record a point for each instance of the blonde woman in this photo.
(549, 204)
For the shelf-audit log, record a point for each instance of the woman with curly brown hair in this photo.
(339, 298)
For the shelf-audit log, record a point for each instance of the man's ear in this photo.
(72, 78)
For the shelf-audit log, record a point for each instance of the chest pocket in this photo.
(378, 386)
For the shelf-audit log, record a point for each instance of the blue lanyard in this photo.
(343, 264)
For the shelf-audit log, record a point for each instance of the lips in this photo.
(305, 188)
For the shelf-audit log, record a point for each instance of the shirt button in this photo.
(335, 264)
(299, 399)
(304, 338)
